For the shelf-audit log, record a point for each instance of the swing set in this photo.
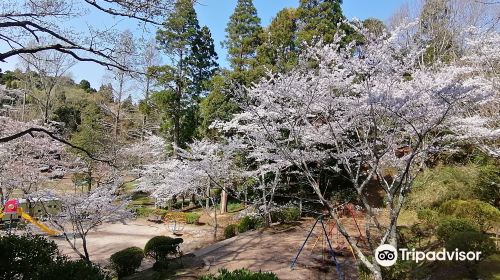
(327, 238)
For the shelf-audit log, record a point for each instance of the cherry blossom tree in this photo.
(372, 108)
(29, 161)
(83, 212)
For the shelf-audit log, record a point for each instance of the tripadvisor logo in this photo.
(387, 255)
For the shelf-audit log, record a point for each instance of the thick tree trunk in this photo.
(223, 202)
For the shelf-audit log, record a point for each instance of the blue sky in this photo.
(215, 14)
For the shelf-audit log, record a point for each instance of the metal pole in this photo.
(337, 265)
(305, 241)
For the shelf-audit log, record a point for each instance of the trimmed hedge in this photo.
(161, 247)
(127, 261)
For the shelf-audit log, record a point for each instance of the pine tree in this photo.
(243, 37)
(318, 20)
(193, 62)
(278, 50)
(203, 61)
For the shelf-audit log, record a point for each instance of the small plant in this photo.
(192, 218)
(230, 231)
(451, 225)
(161, 247)
(286, 214)
(249, 223)
(127, 261)
(240, 274)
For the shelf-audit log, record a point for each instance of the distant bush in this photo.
(192, 218)
(450, 226)
(286, 214)
(484, 215)
(249, 223)
(240, 274)
(161, 247)
(127, 261)
(230, 231)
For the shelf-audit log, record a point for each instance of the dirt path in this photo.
(110, 238)
(269, 250)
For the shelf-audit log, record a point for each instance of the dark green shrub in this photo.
(22, 256)
(286, 215)
(249, 223)
(240, 274)
(192, 218)
(73, 270)
(31, 257)
(471, 241)
(230, 231)
(477, 212)
(126, 261)
(161, 247)
(451, 225)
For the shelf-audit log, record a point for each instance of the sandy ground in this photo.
(269, 250)
(110, 238)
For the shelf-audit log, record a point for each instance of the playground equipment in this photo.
(331, 251)
(13, 212)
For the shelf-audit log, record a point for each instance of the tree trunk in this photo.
(223, 202)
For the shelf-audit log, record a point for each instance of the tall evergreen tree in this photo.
(192, 57)
(278, 50)
(242, 38)
(203, 61)
(318, 20)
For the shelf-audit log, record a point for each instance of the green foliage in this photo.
(127, 261)
(318, 20)
(278, 50)
(161, 247)
(186, 79)
(32, 257)
(230, 230)
(430, 217)
(471, 241)
(286, 214)
(443, 183)
(216, 106)
(250, 223)
(192, 218)
(69, 115)
(242, 37)
(450, 226)
(488, 183)
(477, 212)
(23, 256)
(73, 270)
(85, 85)
(240, 274)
